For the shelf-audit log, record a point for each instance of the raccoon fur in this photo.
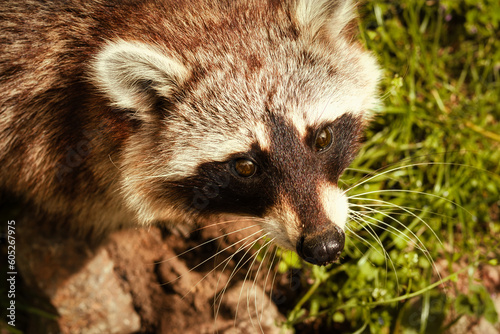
(171, 111)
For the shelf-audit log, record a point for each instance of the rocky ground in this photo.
(138, 281)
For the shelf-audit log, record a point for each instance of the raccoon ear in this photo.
(331, 15)
(136, 76)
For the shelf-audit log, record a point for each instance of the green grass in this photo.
(435, 146)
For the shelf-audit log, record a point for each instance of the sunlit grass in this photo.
(434, 149)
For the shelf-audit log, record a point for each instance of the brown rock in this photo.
(79, 283)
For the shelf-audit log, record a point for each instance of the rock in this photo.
(135, 281)
(79, 283)
(92, 301)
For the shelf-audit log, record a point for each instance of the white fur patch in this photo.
(316, 14)
(299, 121)
(186, 160)
(262, 136)
(122, 69)
(335, 204)
(355, 92)
(215, 147)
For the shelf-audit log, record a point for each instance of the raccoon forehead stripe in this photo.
(334, 107)
(346, 92)
(186, 159)
(299, 123)
(327, 111)
(216, 148)
(261, 134)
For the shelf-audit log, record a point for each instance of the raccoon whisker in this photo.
(414, 209)
(351, 233)
(380, 172)
(363, 240)
(237, 220)
(359, 170)
(205, 243)
(374, 235)
(113, 163)
(382, 225)
(367, 227)
(390, 208)
(250, 243)
(266, 246)
(368, 172)
(240, 265)
(236, 268)
(255, 256)
(225, 262)
(252, 288)
(389, 228)
(394, 211)
(377, 173)
(383, 254)
(386, 211)
(343, 182)
(369, 210)
(408, 211)
(422, 248)
(269, 266)
(427, 156)
(274, 276)
(385, 96)
(213, 256)
(238, 250)
(403, 208)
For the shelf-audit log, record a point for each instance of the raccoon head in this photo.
(257, 118)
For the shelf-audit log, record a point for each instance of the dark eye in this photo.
(323, 139)
(245, 167)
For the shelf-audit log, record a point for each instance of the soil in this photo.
(149, 280)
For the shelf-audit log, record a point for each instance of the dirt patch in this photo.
(147, 281)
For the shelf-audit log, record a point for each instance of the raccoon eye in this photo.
(323, 139)
(245, 167)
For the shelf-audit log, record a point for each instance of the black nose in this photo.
(323, 247)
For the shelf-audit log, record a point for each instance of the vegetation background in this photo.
(423, 251)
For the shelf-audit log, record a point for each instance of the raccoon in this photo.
(131, 112)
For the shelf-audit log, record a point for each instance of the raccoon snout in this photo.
(323, 247)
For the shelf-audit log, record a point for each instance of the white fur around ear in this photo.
(332, 15)
(134, 75)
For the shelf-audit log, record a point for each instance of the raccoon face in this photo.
(264, 131)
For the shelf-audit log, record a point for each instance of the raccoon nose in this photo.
(322, 247)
